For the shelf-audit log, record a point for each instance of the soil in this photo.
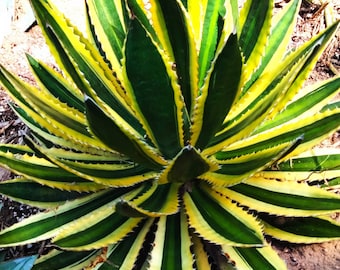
(17, 43)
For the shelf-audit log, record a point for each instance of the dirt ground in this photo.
(325, 256)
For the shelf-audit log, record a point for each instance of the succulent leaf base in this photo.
(176, 135)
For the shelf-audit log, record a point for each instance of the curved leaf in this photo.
(156, 200)
(216, 218)
(222, 87)
(153, 91)
(254, 258)
(282, 197)
(71, 260)
(32, 193)
(49, 224)
(302, 230)
(119, 137)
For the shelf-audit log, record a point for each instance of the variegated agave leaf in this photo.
(175, 134)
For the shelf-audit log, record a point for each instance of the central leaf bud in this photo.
(186, 166)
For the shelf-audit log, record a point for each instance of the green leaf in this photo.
(32, 193)
(210, 35)
(57, 85)
(153, 91)
(302, 230)
(222, 89)
(171, 249)
(46, 114)
(154, 200)
(311, 128)
(216, 218)
(70, 260)
(119, 137)
(332, 184)
(234, 170)
(49, 224)
(283, 197)
(21, 160)
(178, 29)
(254, 258)
(317, 161)
(265, 94)
(315, 166)
(252, 162)
(78, 57)
(124, 254)
(109, 20)
(306, 104)
(255, 24)
(113, 171)
(276, 45)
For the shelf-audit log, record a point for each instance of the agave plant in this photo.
(177, 135)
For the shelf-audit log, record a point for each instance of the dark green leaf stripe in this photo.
(222, 221)
(313, 163)
(152, 89)
(160, 196)
(108, 171)
(31, 191)
(108, 18)
(244, 167)
(172, 255)
(178, 35)
(255, 259)
(253, 26)
(307, 226)
(210, 37)
(331, 106)
(273, 197)
(223, 87)
(171, 244)
(121, 252)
